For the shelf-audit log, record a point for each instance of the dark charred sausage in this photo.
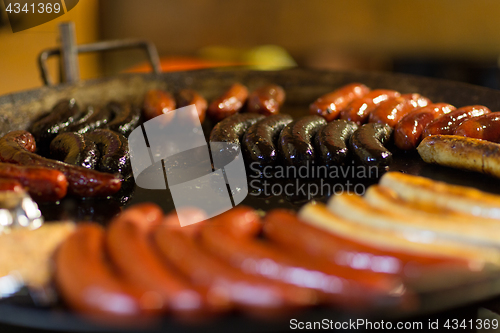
(125, 117)
(96, 117)
(62, 115)
(156, 103)
(43, 184)
(367, 144)
(448, 123)
(359, 109)
(72, 148)
(187, 97)
(18, 147)
(113, 151)
(295, 141)
(392, 110)
(485, 127)
(266, 100)
(408, 132)
(229, 103)
(329, 106)
(332, 141)
(259, 142)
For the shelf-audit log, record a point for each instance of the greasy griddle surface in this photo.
(302, 87)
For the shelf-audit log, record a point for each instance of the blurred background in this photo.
(452, 39)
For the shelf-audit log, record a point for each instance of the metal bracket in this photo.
(69, 53)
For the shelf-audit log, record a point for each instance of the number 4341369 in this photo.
(40, 8)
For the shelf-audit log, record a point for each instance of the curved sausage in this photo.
(367, 144)
(485, 127)
(231, 236)
(125, 117)
(359, 109)
(285, 228)
(229, 103)
(156, 103)
(62, 115)
(113, 151)
(187, 97)
(87, 282)
(329, 106)
(96, 117)
(448, 123)
(231, 129)
(17, 147)
(72, 148)
(255, 294)
(138, 262)
(259, 142)
(43, 184)
(332, 142)
(295, 141)
(392, 110)
(266, 100)
(408, 132)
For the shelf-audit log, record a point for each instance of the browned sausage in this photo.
(43, 184)
(408, 132)
(329, 105)
(18, 147)
(187, 97)
(286, 229)
(232, 237)
(229, 103)
(392, 110)
(486, 127)
(448, 123)
(255, 294)
(359, 109)
(138, 262)
(87, 283)
(266, 100)
(7, 184)
(156, 103)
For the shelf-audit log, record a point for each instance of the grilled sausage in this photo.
(485, 127)
(408, 132)
(87, 283)
(329, 106)
(367, 144)
(125, 117)
(18, 147)
(331, 142)
(259, 142)
(295, 141)
(62, 115)
(232, 129)
(229, 103)
(113, 151)
(137, 261)
(448, 123)
(156, 103)
(96, 117)
(285, 228)
(394, 109)
(256, 294)
(187, 97)
(43, 184)
(266, 100)
(359, 109)
(72, 148)
(462, 153)
(231, 236)
(424, 191)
